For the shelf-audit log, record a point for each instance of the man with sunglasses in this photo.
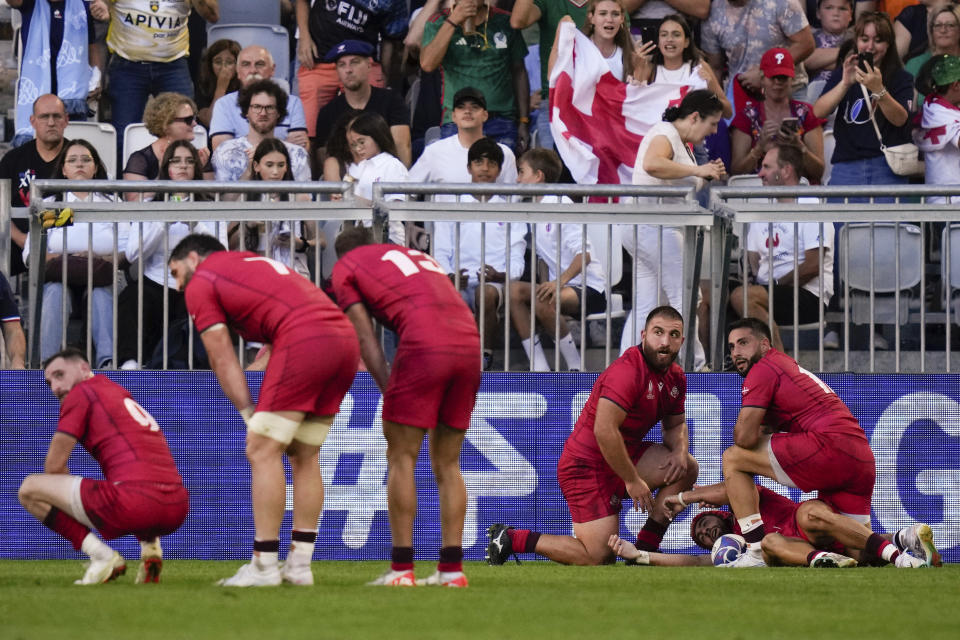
(264, 104)
(255, 63)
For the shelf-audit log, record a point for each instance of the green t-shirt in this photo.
(551, 12)
(484, 64)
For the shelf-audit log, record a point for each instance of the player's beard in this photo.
(752, 360)
(652, 356)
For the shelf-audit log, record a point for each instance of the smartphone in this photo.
(790, 125)
(865, 57)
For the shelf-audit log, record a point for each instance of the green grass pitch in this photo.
(531, 601)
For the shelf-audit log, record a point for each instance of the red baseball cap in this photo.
(777, 62)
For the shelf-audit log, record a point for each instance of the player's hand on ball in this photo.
(639, 492)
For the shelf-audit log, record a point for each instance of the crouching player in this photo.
(312, 362)
(801, 534)
(142, 493)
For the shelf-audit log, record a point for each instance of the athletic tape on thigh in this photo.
(270, 425)
(313, 430)
(76, 504)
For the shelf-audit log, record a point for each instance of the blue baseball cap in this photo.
(349, 48)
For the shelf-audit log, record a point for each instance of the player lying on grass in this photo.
(800, 534)
(142, 493)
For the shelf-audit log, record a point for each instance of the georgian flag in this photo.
(597, 121)
(939, 125)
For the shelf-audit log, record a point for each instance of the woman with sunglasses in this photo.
(943, 28)
(168, 116)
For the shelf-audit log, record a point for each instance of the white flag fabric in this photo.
(598, 121)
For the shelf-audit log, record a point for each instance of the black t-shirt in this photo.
(387, 103)
(914, 19)
(333, 22)
(57, 8)
(8, 304)
(852, 129)
(144, 162)
(22, 166)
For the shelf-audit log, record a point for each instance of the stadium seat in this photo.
(432, 135)
(136, 136)
(272, 37)
(247, 12)
(857, 272)
(102, 136)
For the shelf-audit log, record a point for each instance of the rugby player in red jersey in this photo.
(431, 388)
(312, 363)
(141, 494)
(808, 533)
(793, 428)
(605, 458)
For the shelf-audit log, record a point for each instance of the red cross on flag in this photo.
(598, 121)
(939, 125)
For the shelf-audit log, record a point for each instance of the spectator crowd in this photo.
(457, 92)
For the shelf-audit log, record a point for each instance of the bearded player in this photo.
(141, 494)
(606, 459)
(431, 389)
(312, 362)
(792, 428)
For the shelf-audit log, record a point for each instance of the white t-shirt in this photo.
(681, 75)
(226, 118)
(681, 155)
(571, 236)
(783, 239)
(495, 234)
(615, 62)
(76, 237)
(154, 260)
(382, 167)
(446, 161)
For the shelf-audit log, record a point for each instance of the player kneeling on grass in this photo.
(810, 533)
(312, 362)
(142, 493)
(431, 389)
(606, 459)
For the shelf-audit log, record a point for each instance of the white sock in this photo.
(569, 352)
(300, 552)
(888, 552)
(96, 548)
(151, 549)
(748, 524)
(538, 357)
(265, 559)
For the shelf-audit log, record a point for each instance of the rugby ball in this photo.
(727, 548)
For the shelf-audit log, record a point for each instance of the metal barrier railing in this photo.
(670, 206)
(870, 208)
(636, 205)
(119, 212)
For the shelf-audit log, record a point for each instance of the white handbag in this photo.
(903, 159)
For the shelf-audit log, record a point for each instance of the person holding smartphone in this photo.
(777, 119)
(876, 67)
